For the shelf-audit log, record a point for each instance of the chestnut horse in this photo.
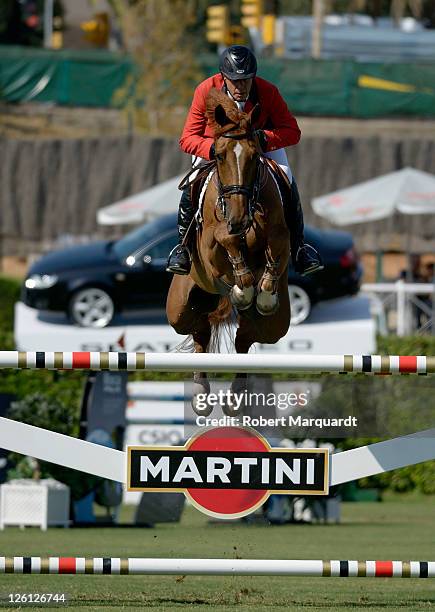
(242, 247)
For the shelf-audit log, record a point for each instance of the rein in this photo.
(251, 191)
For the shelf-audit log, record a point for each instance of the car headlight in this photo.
(41, 281)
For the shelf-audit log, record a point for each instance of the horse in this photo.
(241, 249)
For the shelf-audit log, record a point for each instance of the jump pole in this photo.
(181, 362)
(217, 567)
(213, 362)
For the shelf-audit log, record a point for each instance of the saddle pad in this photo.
(198, 214)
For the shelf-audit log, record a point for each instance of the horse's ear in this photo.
(254, 114)
(221, 116)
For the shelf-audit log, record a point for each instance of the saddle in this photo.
(196, 182)
(281, 177)
(202, 172)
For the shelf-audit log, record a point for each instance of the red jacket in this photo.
(275, 119)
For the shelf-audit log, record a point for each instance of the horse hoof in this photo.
(231, 410)
(239, 387)
(267, 313)
(201, 407)
(240, 384)
(267, 303)
(242, 298)
(200, 391)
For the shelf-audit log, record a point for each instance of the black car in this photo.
(93, 283)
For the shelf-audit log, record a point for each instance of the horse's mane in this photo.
(216, 98)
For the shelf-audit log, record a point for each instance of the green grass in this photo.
(402, 529)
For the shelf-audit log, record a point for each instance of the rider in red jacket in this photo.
(276, 128)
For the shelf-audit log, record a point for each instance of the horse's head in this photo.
(237, 151)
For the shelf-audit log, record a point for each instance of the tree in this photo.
(156, 34)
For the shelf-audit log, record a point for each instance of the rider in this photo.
(276, 128)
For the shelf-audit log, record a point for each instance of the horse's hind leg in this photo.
(244, 339)
(188, 307)
(254, 328)
(187, 310)
(201, 385)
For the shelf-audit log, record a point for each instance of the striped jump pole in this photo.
(213, 362)
(217, 567)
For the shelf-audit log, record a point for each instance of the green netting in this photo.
(324, 88)
(63, 77)
(373, 99)
(350, 89)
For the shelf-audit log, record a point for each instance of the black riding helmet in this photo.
(238, 62)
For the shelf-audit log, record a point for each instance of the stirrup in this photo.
(316, 264)
(178, 267)
(314, 267)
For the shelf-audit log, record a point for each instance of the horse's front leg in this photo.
(243, 290)
(277, 255)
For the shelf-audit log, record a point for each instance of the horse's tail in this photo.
(221, 329)
(223, 311)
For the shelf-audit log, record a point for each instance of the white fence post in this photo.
(401, 308)
(408, 300)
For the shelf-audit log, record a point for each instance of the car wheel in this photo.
(91, 307)
(300, 304)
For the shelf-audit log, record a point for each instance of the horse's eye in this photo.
(219, 156)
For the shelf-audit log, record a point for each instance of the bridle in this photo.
(251, 192)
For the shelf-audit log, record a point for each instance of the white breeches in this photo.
(280, 156)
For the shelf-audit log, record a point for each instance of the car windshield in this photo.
(137, 238)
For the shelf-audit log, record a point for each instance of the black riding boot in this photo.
(305, 258)
(179, 261)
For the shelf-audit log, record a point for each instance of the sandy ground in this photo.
(48, 121)
(367, 128)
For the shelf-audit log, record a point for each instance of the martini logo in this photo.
(228, 472)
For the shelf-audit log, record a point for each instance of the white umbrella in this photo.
(153, 202)
(408, 191)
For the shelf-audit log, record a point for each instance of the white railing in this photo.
(402, 301)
